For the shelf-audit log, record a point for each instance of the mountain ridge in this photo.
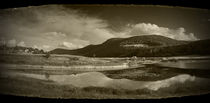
(146, 45)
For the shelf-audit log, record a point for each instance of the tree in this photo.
(47, 55)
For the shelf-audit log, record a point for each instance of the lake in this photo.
(175, 85)
(187, 64)
(97, 79)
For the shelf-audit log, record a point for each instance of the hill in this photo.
(148, 45)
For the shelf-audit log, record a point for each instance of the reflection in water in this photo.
(98, 79)
(187, 64)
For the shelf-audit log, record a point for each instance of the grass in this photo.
(53, 60)
(148, 73)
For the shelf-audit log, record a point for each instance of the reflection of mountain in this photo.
(20, 50)
(152, 45)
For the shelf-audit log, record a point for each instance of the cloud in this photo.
(68, 45)
(2, 41)
(74, 24)
(80, 42)
(55, 34)
(153, 29)
(53, 24)
(11, 43)
(43, 47)
(36, 47)
(46, 47)
(22, 44)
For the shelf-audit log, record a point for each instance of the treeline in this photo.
(18, 49)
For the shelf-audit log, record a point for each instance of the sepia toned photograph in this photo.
(104, 51)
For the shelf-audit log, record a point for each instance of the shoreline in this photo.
(73, 68)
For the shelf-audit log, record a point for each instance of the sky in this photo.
(74, 26)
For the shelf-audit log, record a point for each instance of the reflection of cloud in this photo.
(168, 82)
(153, 29)
(98, 79)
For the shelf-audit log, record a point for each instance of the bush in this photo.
(47, 55)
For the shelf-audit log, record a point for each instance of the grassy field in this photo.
(63, 62)
(53, 60)
(68, 60)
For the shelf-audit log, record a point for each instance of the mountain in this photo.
(146, 46)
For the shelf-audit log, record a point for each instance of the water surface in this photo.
(97, 79)
(187, 64)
